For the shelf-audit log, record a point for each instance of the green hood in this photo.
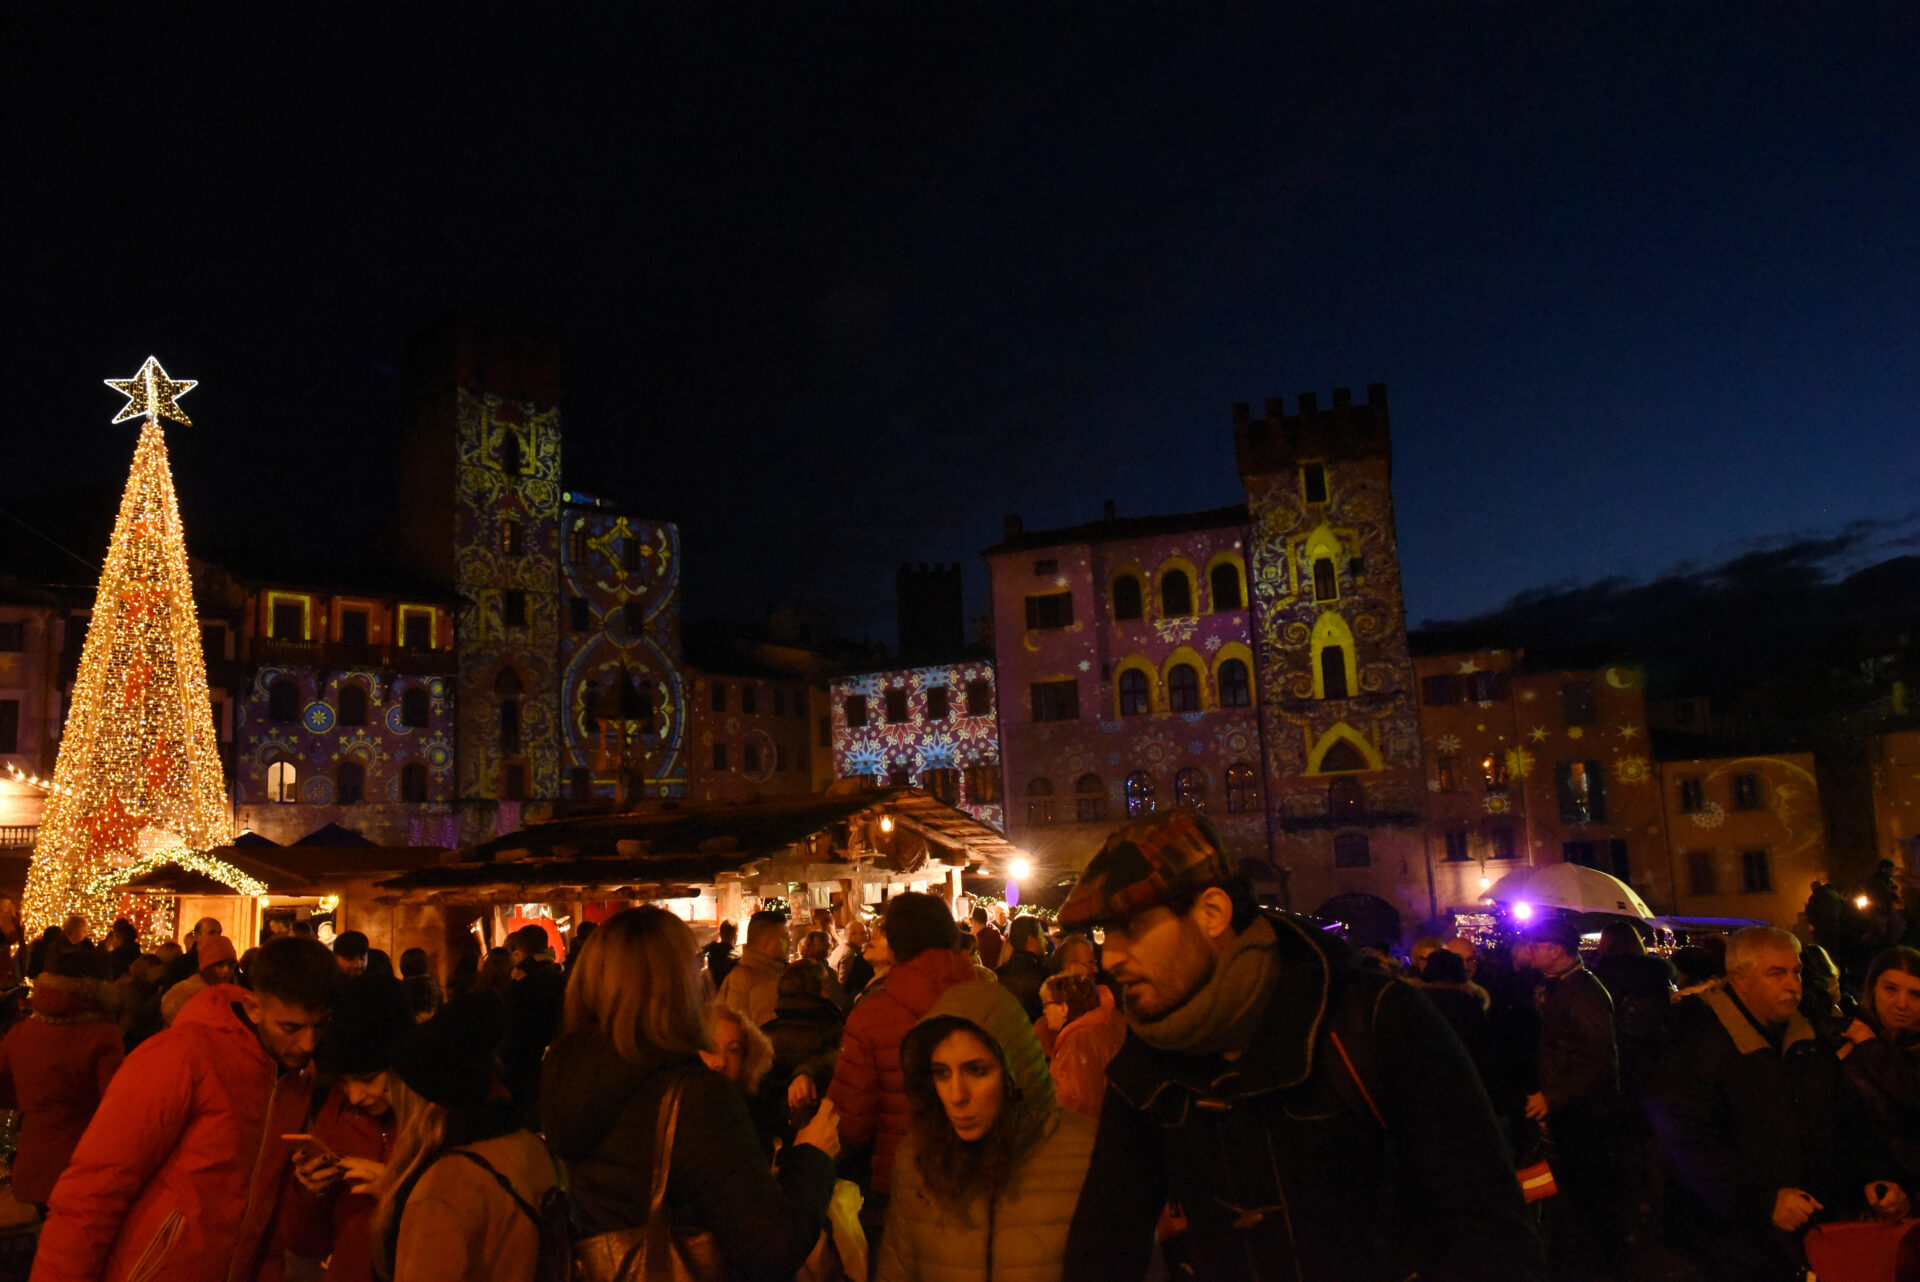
(1000, 1018)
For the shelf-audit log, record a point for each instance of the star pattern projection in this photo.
(151, 394)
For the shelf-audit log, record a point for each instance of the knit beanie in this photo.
(366, 1023)
(449, 1060)
(214, 950)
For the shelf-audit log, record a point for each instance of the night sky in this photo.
(843, 284)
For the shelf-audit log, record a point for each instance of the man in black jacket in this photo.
(1308, 1121)
(1577, 1105)
(1743, 1109)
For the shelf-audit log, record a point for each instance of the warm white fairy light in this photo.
(138, 752)
(31, 780)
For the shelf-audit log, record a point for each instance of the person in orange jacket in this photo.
(177, 1177)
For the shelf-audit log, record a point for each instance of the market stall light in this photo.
(1861, 901)
(1486, 883)
(886, 823)
(1523, 911)
(1020, 868)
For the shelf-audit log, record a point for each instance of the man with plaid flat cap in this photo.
(1302, 1118)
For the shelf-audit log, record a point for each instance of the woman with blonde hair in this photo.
(461, 1183)
(625, 1081)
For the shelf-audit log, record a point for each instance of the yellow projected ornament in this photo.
(139, 768)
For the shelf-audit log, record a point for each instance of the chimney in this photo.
(1012, 528)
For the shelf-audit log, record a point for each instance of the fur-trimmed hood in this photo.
(1472, 989)
(62, 999)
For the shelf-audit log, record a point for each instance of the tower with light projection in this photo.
(138, 781)
(1339, 719)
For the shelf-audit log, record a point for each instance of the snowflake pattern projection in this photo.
(1576, 732)
(1519, 763)
(1155, 749)
(1632, 770)
(1086, 665)
(1214, 642)
(863, 761)
(1711, 815)
(1497, 803)
(1176, 631)
(1447, 743)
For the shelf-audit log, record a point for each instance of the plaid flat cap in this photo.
(1143, 865)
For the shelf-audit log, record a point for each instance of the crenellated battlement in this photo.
(1342, 430)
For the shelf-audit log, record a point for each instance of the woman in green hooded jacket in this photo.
(986, 1183)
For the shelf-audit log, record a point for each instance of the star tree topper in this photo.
(150, 394)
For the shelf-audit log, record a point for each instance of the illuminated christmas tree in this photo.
(138, 782)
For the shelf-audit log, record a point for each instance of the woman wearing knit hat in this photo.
(457, 1196)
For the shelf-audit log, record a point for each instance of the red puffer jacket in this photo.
(176, 1179)
(54, 1068)
(869, 1092)
(336, 1226)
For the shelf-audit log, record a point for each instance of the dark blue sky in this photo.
(845, 283)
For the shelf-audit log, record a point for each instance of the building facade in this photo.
(1747, 835)
(931, 727)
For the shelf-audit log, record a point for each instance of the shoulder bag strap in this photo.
(501, 1180)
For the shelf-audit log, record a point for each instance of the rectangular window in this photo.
(1756, 878)
(577, 555)
(1350, 850)
(1700, 878)
(749, 701)
(1693, 797)
(515, 781)
(1313, 482)
(1576, 703)
(1483, 687)
(513, 608)
(220, 720)
(633, 617)
(1438, 692)
(1456, 847)
(213, 640)
(750, 758)
(510, 725)
(1054, 610)
(856, 710)
(13, 636)
(630, 555)
(1617, 852)
(1500, 844)
(1494, 767)
(289, 621)
(416, 630)
(579, 778)
(1046, 565)
(1580, 852)
(353, 627)
(579, 614)
(1583, 793)
(944, 784)
(937, 703)
(826, 732)
(979, 699)
(510, 537)
(1746, 792)
(983, 784)
(719, 697)
(779, 701)
(780, 761)
(1056, 700)
(9, 725)
(719, 756)
(1448, 773)
(899, 779)
(896, 706)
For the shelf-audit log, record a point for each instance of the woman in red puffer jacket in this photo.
(55, 1067)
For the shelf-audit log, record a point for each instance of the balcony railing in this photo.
(347, 654)
(18, 836)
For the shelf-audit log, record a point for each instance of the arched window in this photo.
(1134, 696)
(1325, 585)
(511, 456)
(350, 783)
(1236, 689)
(1176, 594)
(1040, 801)
(353, 704)
(1333, 672)
(508, 685)
(413, 782)
(1223, 582)
(1340, 756)
(1346, 800)
(281, 778)
(1139, 794)
(283, 701)
(1126, 598)
(1089, 799)
(1243, 788)
(1183, 688)
(1190, 787)
(415, 707)
(1350, 850)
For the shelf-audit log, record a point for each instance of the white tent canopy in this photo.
(1573, 887)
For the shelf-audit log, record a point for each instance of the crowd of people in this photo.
(1163, 1080)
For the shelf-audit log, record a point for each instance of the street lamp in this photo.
(1020, 868)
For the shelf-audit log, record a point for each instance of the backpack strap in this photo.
(503, 1181)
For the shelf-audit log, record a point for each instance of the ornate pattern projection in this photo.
(964, 743)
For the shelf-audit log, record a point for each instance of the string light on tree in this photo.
(138, 782)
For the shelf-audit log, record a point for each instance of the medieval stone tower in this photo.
(1338, 717)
